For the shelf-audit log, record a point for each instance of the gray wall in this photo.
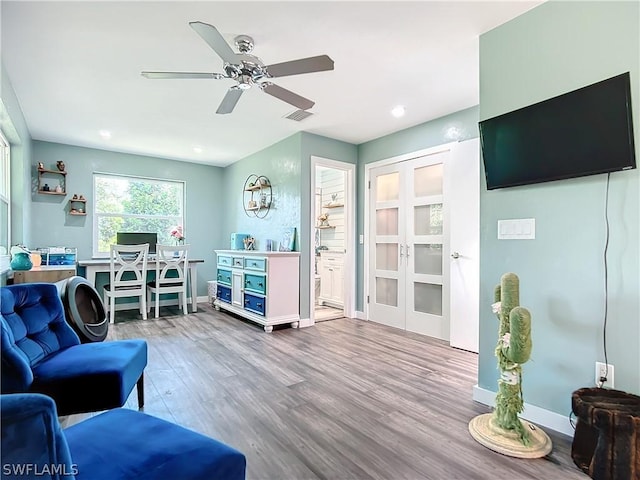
(15, 129)
(458, 126)
(555, 48)
(51, 225)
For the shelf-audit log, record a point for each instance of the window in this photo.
(133, 204)
(5, 204)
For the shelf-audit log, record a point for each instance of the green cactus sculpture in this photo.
(513, 349)
(502, 430)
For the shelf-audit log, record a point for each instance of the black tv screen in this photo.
(138, 238)
(583, 132)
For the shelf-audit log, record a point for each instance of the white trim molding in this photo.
(537, 415)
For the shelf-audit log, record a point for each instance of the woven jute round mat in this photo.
(484, 430)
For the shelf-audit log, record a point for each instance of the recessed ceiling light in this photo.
(105, 134)
(197, 149)
(397, 111)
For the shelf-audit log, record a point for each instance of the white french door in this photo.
(407, 232)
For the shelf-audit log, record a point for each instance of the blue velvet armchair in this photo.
(120, 444)
(42, 354)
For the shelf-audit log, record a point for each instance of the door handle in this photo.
(455, 255)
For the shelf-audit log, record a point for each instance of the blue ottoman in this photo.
(116, 445)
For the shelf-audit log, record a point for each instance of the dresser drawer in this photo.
(255, 283)
(224, 276)
(225, 261)
(258, 264)
(254, 304)
(238, 262)
(224, 294)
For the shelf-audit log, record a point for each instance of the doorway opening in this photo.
(332, 278)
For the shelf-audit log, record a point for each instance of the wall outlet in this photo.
(604, 371)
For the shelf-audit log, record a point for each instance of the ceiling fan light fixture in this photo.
(398, 111)
(244, 82)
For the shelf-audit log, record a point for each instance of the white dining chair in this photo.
(172, 265)
(127, 276)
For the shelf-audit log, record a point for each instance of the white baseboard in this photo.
(537, 415)
(360, 315)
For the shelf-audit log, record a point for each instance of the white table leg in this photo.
(194, 287)
(91, 275)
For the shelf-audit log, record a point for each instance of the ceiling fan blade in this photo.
(212, 36)
(288, 96)
(304, 65)
(229, 101)
(166, 75)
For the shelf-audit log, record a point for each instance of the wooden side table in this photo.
(44, 273)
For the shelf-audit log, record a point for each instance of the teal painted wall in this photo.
(15, 130)
(555, 48)
(458, 126)
(287, 165)
(52, 226)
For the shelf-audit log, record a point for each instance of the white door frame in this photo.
(367, 179)
(350, 232)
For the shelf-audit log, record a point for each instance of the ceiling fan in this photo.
(248, 70)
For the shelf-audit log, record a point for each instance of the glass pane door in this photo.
(386, 298)
(425, 236)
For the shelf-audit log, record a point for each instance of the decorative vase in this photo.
(36, 259)
(20, 258)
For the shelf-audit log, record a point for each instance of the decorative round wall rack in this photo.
(257, 196)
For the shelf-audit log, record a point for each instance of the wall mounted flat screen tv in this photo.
(584, 132)
(138, 238)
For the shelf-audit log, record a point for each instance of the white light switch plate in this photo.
(517, 229)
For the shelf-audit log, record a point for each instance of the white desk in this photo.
(103, 265)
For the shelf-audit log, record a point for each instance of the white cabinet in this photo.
(331, 279)
(263, 287)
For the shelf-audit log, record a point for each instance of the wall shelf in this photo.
(324, 227)
(333, 205)
(74, 209)
(43, 192)
(43, 173)
(257, 196)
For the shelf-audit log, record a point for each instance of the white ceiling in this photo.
(75, 67)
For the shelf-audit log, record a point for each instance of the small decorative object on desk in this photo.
(60, 165)
(58, 189)
(20, 258)
(46, 188)
(40, 166)
(176, 233)
(75, 196)
(81, 197)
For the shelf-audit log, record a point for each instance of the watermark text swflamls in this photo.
(35, 469)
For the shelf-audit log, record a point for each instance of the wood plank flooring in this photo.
(345, 399)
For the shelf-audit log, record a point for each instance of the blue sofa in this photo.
(42, 354)
(119, 444)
